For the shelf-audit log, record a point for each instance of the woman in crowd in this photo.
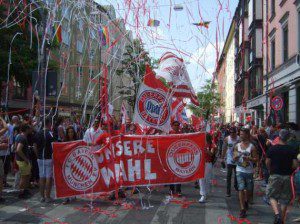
(205, 183)
(70, 136)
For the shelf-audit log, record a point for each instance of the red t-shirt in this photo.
(209, 158)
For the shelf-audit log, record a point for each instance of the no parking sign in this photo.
(277, 103)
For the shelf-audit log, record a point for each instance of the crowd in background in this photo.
(245, 151)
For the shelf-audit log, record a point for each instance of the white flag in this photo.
(152, 108)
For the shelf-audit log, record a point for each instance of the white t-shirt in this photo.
(91, 135)
(243, 166)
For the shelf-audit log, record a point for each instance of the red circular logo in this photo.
(184, 158)
(80, 169)
(277, 103)
(153, 108)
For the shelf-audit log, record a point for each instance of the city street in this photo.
(218, 208)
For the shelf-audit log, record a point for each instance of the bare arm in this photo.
(224, 148)
(235, 153)
(254, 155)
(5, 127)
(295, 163)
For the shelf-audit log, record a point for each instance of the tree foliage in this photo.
(134, 64)
(24, 53)
(209, 99)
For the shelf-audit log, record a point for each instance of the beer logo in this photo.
(80, 169)
(153, 108)
(183, 158)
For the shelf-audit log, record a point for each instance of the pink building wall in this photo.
(290, 7)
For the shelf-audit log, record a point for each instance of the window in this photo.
(79, 86)
(273, 52)
(79, 46)
(285, 43)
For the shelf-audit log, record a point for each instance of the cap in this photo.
(284, 135)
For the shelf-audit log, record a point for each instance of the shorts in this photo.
(24, 168)
(1, 169)
(245, 181)
(279, 188)
(45, 168)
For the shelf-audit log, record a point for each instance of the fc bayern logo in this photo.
(153, 108)
(80, 169)
(183, 158)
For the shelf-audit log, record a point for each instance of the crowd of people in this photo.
(246, 152)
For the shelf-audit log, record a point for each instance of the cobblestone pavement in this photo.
(143, 208)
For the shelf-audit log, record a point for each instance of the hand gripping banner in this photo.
(127, 161)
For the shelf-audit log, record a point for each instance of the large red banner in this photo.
(127, 161)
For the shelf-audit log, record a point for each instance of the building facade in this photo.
(281, 60)
(76, 65)
(225, 76)
(266, 61)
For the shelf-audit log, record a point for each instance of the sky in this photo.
(198, 46)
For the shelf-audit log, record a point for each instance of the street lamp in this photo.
(8, 68)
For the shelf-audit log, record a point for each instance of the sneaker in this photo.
(228, 195)
(243, 214)
(66, 201)
(49, 200)
(296, 220)
(246, 205)
(277, 219)
(42, 200)
(202, 199)
(179, 194)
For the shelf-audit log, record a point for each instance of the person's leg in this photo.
(274, 205)
(250, 189)
(42, 187)
(241, 188)
(48, 187)
(235, 178)
(208, 178)
(284, 213)
(1, 178)
(273, 192)
(242, 199)
(172, 189)
(42, 175)
(228, 179)
(1, 186)
(202, 189)
(6, 162)
(49, 175)
(178, 189)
